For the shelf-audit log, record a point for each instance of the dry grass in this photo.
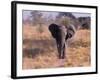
(39, 49)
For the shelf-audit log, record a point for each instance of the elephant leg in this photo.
(59, 48)
(61, 52)
(64, 51)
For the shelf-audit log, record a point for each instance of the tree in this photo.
(85, 22)
(66, 18)
(68, 14)
(63, 19)
(50, 19)
(37, 19)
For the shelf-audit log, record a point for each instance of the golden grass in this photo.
(31, 32)
(39, 49)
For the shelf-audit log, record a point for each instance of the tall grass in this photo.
(40, 51)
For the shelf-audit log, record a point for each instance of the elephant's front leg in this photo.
(61, 48)
(64, 51)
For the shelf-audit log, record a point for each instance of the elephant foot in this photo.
(61, 57)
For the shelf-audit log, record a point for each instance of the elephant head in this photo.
(61, 34)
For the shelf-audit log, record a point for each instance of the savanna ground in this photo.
(40, 51)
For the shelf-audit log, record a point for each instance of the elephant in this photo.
(61, 34)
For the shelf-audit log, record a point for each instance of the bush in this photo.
(64, 21)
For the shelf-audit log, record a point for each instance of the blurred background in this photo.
(39, 47)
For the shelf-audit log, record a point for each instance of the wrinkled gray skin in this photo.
(61, 35)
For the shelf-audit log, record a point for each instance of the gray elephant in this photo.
(61, 34)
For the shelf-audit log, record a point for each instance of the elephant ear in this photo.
(54, 29)
(70, 31)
